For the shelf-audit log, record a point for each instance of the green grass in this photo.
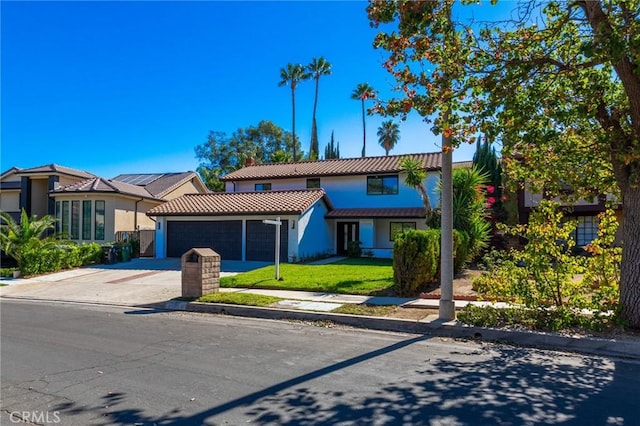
(369, 310)
(239, 299)
(349, 276)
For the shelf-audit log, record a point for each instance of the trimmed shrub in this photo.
(416, 261)
(39, 260)
(354, 249)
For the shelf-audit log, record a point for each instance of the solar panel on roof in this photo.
(138, 179)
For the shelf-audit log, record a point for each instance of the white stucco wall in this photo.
(351, 191)
(315, 236)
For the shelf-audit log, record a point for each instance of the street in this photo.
(75, 364)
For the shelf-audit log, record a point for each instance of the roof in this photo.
(12, 170)
(334, 167)
(241, 203)
(54, 168)
(462, 164)
(158, 184)
(101, 185)
(379, 213)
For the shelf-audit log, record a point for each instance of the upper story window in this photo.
(382, 185)
(313, 183)
(263, 187)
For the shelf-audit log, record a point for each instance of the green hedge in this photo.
(38, 260)
(416, 259)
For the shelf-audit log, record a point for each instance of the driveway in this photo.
(138, 282)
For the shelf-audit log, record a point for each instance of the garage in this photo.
(261, 241)
(224, 237)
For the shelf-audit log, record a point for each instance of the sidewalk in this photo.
(157, 289)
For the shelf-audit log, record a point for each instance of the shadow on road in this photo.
(494, 385)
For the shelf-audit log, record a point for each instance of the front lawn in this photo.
(348, 276)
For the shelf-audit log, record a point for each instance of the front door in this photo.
(347, 232)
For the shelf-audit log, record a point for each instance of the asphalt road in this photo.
(93, 365)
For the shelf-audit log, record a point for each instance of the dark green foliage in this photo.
(354, 249)
(469, 210)
(416, 261)
(222, 154)
(461, 246)
(541, 319)
(38, 260)
(332, 150)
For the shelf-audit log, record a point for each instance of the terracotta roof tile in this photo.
(240, 203)
(380, 213)
(100, 185)
(334, 167)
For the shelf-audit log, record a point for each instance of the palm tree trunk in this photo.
(314, 148)
(364, 133)
(293, 119)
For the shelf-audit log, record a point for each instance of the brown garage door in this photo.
(224, 237)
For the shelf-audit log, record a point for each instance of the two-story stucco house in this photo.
(90, 208)
(323, 205)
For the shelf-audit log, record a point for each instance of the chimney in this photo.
(249, 162)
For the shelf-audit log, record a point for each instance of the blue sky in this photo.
(133, 87)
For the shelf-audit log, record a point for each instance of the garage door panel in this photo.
(261, 241)
(224, 237)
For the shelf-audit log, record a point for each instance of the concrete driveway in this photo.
(136, 283)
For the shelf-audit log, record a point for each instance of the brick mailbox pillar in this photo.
(200, 272)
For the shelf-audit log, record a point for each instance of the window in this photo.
(313, 183)
(382, 185)
(99, 220)
(86, 220)
(396, 228)
(586, 231)
(65, 218)
(75, 220)
(263, 187)
(58, 217)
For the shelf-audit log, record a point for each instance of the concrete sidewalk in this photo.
(144, 286)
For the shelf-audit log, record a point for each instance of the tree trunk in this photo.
(364, 133)
(293, 119)
(314, 146)
(630, 268)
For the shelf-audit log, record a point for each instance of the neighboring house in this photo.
(29, 189)
(323, 205)
(90, 208)
(585, 212)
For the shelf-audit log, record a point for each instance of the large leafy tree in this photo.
(361, 93)
(388, 135)
(222, 154)
(290, 76)
(559, 86)
(317, 68)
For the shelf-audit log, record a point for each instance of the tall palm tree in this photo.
(388, 135)
(291, 76)
(362, 93)
(317, 68)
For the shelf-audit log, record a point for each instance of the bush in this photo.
(354, 249)
(416, 260)
(6, 272)
(540, 319)
(40, 260)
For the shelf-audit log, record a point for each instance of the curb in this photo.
(585, 345)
